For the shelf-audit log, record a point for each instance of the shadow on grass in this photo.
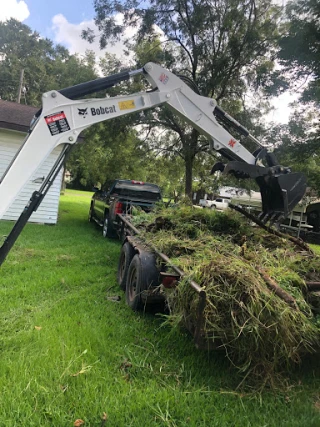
(211, 369)
(176, 351)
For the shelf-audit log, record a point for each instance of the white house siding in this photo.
(10, 142)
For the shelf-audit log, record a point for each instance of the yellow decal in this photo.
(127, 105)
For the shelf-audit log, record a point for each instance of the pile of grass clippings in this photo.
(262, 333)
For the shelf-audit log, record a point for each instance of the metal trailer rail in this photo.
(194, 285)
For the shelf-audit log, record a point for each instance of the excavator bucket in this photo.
(280, 188)
(281, 193)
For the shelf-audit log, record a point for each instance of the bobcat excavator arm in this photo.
(62, 118)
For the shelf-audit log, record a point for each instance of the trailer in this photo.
(146, 275)
(232, 309)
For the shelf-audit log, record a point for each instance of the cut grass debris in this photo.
(258, 309)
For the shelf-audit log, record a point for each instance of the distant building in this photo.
(14, 123)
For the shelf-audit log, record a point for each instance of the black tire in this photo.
(126, 255)
(134, 285)
(90, 216)
(213, 207)
(107, 229)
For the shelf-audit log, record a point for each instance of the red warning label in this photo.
(53, 118)
(57, 123)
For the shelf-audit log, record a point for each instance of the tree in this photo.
(108, 154)
(300, 47)
(221, 45)
(46, 66)
(297, 144)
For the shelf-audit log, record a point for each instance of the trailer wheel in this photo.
(134, 285)
(126, 255)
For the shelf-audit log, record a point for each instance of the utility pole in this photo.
(20, 86)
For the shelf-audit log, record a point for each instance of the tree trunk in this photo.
(190, 145)
(188, 168)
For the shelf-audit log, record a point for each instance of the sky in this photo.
(62, 21)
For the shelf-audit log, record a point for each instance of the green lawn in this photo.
(68, 352)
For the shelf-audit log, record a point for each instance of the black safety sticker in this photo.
(57, 123)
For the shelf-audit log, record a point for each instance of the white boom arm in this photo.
(62, 120)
